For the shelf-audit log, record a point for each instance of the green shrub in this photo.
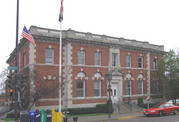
(103, 108)
(73, 111)
(12, 115)
(110, 106)
(140, 102)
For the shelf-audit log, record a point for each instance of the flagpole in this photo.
(60, 55)
(60, 65)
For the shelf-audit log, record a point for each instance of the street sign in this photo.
(12, 68)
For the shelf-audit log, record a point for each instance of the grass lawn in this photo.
(8, 119)
(83, 115)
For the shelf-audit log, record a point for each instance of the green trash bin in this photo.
(43, 116)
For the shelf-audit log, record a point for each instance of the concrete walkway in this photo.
(105, 117)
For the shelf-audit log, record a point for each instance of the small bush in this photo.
(12, 115)
(103, 108)
(109, 106)
(140, 102)
(73, 111)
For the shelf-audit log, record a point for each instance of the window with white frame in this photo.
(140, 62)
(140, 87)
(49, 56)
(81, 57)
(97, 58)
(128, 87)
(155, 63)
(128, 60)
(97, 88)
(80, 88)
(114, 59)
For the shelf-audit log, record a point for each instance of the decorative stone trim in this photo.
(49, 77)
(141, 78)
(81, 48)
(128, 78)
(81, 78)
(97, 78)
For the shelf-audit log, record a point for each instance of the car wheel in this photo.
(175, 112)
(160, 113)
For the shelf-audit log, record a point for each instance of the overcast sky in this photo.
(155, 21)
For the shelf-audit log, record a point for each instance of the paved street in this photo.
(171, 118)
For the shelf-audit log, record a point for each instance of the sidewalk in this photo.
(104, 117)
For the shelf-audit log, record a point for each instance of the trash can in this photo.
(24, 116)
(32, 116)
(43, 116)
(48, 116)
(65, 119)
(54, 116)
(75, 119)
(37, 116)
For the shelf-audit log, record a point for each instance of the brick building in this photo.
(86, 59)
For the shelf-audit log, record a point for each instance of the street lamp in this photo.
(109, 77)
(129, 99)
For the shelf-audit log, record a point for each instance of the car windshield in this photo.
(158, 106)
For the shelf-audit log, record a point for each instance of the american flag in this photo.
(61, 12)
(27, 35)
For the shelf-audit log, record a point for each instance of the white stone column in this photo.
(148, 74)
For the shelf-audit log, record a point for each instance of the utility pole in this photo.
(16, 64)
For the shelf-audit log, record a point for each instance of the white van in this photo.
(177, 101)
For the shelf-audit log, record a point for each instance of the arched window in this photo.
(140, 84)
(97, 85)
(128, 84)
(81, 74)
(81, 85)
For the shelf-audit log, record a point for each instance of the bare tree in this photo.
(34, 89)
(3, 78)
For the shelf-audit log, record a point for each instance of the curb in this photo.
(127, 117)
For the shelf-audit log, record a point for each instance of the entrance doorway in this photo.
(114, 93)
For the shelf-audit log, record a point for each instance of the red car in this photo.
(161, 109)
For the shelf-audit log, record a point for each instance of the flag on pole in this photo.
(27, 35)
(61, 12)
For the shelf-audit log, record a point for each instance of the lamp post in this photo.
(129, 99)
(109, 77)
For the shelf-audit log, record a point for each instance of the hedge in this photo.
(73, 111)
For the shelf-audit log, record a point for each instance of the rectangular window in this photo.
(114, 59)
(128, 87)
(156, 87)
(97, 88)
(128, 61)
(97, 58)
(80, 88)
(140, 87)
(49, 56)
(155, 64)
(24, 59)
(140, 61)
(81, 57)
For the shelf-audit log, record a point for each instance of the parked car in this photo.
(162, 109)
(177, 101)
